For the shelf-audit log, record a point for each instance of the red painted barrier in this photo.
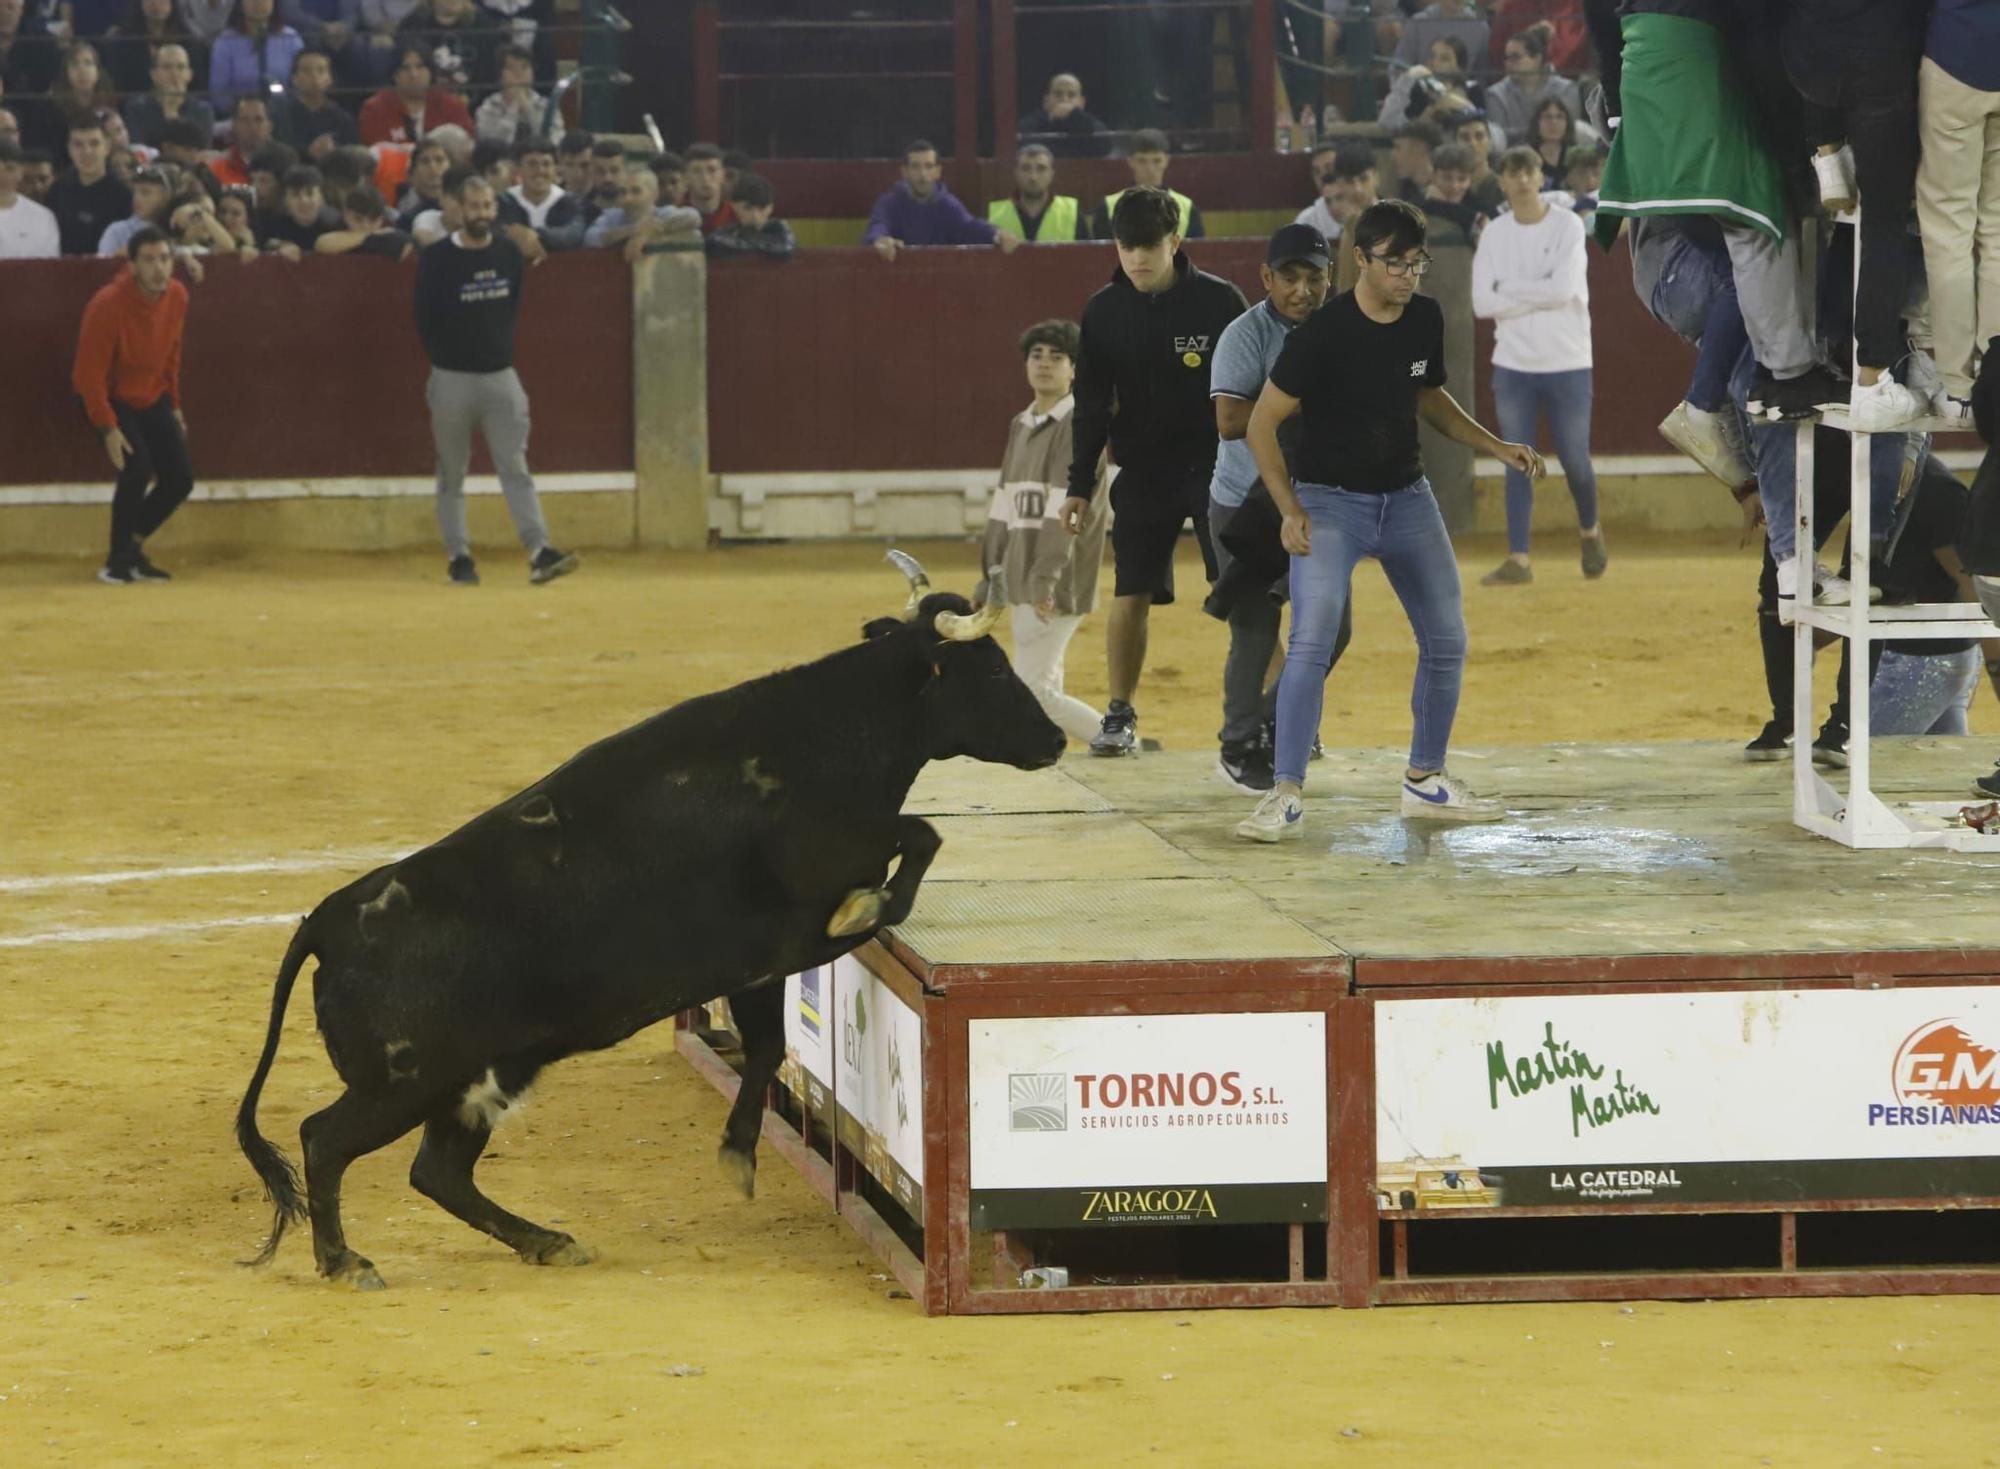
(313, 369)
(837, 361)
(842, 360)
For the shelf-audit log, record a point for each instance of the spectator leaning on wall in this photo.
(538, 203)
(1033, 212)
(708, 187)
(128, 373)
(27, 230)
(920, 210)
(468, 302)
(639, 218)
(366, 230)
(1147, 158)
(757, 231)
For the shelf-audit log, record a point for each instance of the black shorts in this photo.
(1149, 506)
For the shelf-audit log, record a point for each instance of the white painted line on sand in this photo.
(56, 882)
(128, 932)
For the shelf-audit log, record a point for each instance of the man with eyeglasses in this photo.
(1361, 372)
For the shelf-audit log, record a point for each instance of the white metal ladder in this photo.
(1860, 818)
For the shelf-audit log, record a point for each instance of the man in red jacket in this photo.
(128, 373)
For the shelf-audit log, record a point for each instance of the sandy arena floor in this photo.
(251, 736)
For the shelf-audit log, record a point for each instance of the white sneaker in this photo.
(1279, 817)
(1703, 437)
(1828, 590)
(1835, 172)
(1443, 797)
(1885, 405)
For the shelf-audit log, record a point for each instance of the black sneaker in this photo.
(1772, 744)
(118, 571)
(1119, 734)
(1247, 767)
(1509, 573)
(1794, 397)
(144, 570)
(463, 571)
(549, 563)
(1829, 747)
(1988, 785)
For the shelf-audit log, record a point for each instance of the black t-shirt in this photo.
(283, 229)
(389, 244)
(85, 211)
(467, 301)
(1356, 381)
(1936, 513)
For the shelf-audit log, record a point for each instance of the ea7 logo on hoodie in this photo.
(1191, 349)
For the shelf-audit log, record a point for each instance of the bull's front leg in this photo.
(866, 909)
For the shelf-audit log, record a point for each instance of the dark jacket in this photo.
(1979, 541)
(1152, 353)
(1257, 557)
(739, 242)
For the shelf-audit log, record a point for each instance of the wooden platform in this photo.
(1679, 851)
(1643, 1037)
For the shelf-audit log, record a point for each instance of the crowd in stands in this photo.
(233, 126)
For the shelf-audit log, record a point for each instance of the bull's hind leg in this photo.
(355, 1125)
(442, 1173)
(759, 1013)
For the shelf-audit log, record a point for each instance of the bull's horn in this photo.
(959, 627)
(920, 584)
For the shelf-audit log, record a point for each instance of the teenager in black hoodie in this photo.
(1148, 339)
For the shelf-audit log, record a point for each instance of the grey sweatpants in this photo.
(1772, 295)
(497, 405)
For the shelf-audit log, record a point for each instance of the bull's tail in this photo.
(281, 1178)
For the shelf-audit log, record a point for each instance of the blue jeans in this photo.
(1521, 398)
(1774, 450)
(1917, 695)
(1696, 297)
(1404, 531)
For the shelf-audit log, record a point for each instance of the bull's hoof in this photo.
(739, 1168)
(353, 1271)
(861, 913)
(560, 1250)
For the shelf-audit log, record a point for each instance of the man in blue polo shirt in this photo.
(1294, 275)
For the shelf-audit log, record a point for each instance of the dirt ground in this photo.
(248, 738)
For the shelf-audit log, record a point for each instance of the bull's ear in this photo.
(878, 627)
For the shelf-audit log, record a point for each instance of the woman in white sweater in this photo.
(1529, 277)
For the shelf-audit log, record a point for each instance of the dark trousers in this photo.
(1869, 101)
(1249, 708)
(158, 460)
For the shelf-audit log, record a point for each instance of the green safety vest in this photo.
(1181, 202)
(1058, 220)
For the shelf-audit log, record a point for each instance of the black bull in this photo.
(708, 851)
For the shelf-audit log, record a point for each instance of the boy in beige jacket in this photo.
(1051, 576)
